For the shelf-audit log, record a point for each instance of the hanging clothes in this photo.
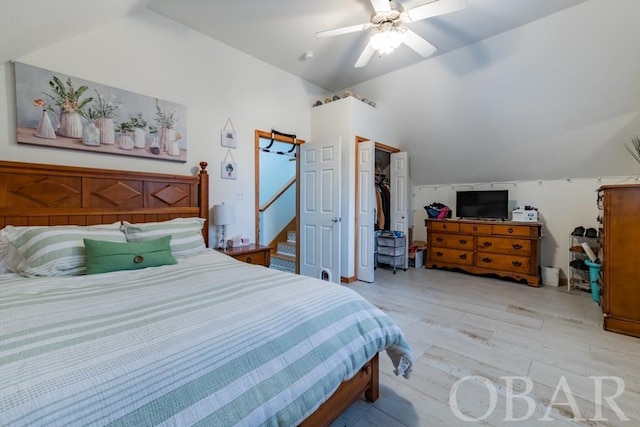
(383, 201)
(379, 209)
(385, 194)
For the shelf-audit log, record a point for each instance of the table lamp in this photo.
(223, 215)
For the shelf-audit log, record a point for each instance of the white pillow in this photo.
(54, 250)
(186, 234)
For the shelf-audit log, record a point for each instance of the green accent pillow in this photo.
(103, 257)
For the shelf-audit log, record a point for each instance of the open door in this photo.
(320, 210)
(365, 204)
(400, 197)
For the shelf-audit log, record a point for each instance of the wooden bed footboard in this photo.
(365, 381)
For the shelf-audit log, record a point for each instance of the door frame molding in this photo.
(377, 146)
(289, 140)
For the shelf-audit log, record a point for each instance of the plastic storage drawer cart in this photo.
(392, 251)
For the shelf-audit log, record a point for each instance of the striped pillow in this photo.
(55, 250)
(4, 251)
(186, 234)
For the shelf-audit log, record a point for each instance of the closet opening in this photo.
(373, 163)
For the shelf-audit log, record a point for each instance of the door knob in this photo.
(335, 219)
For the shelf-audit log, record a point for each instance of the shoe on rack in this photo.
(591, 232)
(578, 231)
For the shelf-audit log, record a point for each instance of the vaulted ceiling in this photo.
(281, 31)
(520, 79)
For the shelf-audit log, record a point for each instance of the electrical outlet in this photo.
(239, 195)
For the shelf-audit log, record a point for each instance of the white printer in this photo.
(524, 215)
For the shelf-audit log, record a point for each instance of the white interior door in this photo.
(320, 210)
(365, 218)
(400, 196)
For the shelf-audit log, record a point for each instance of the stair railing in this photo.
(277, 195)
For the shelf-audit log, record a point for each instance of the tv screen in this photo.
(483, 204)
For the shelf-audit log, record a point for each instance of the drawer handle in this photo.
(444, 226)
(475, 228)
(517, 264)
(486, 259)
(463, 242)
(517, 246)
(487, 244)
(439, 239)
(510, 230)
(249, 260)
(439, 254)
(463, 256)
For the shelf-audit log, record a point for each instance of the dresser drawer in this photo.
(512, 230)
(503, 245)
(257, 258)
(475, 228)
(444, 226)
(501, 262)
(452, 256)
(455, 241)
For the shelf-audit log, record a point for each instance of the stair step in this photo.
(291, 236)
(287, 248)
(285, 257)
(283, 262)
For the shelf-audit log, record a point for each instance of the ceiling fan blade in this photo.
(438, 7)
(418, 44)
(343, 30)
(365, 56)
(381, 5)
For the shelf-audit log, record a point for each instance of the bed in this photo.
(208, 340)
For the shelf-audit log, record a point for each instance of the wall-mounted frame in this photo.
(228, 138)
(56, 110)
(228, 170)
(228, 135)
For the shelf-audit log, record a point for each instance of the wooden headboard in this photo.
(38, 194)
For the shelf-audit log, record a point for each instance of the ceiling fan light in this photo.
(387, 41)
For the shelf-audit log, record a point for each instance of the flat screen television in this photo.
(491, 204)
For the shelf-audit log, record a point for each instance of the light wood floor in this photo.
(461, 325)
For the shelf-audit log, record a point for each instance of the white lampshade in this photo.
(223, 214)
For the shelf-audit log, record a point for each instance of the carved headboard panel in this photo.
(38, 194)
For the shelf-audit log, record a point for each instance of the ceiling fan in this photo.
(389, 30)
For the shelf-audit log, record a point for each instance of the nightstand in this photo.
(252, 254)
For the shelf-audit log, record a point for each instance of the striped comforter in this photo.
(209, 341)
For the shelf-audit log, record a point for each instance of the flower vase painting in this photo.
(45, 127)
(61, 111)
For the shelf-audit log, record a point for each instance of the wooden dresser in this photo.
(506, 249)
(620, 243)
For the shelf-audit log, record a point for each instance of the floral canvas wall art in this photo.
(57, 110)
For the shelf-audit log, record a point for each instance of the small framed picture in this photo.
(228, 138)
(228, 170)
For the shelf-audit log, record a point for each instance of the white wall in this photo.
(562, 206)
(344, 120)
(151, 55)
